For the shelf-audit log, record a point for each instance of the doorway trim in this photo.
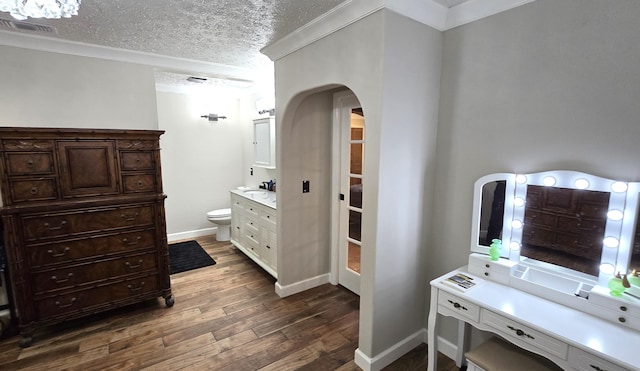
(341, 100)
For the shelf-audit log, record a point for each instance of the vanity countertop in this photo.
(267, 198)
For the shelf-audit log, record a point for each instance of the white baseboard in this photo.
(447, 348)
(191, 234)
(387, 357)
(301, 286)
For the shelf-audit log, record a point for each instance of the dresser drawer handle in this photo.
(34, 191)
(597, 368)
(134, 266)
(58, 254)
(30, 163)
(140, 183)
(136, 288)
(56, 280)
(268, 247)
(62, 224)
(457, 305)
(60, 305)
(134, 242)
(129, 217)
(520, 332)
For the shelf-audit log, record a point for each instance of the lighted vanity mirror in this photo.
(563, 222)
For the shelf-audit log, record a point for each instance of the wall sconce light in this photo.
(271, 112)
(213, 117)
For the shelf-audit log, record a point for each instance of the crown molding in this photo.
(49, 44)
(428, 12)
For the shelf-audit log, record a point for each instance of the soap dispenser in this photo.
(494, 249)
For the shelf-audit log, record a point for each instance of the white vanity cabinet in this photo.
(253, 230)
(264, 142)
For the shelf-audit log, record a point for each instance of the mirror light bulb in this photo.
(615, 215)
(514, 246)
(521, 179)
(582, 184)
(607, 268)
(549, 181)
(519, 202)
(619, 187)
(610, 242)
(517, 224)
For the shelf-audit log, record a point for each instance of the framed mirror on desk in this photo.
(562, 237)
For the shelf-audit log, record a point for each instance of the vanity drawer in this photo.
(517, 333)
(583, 361)
(269, 217)
(497, 271)
(457, 307)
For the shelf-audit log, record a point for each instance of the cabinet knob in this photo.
(622, 320)
(29, 163)
(34, 191)
(623, 308)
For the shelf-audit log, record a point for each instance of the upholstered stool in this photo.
(496, 354)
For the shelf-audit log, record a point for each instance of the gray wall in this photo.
(395, 73)
(549, 85)
(201, 160)
(58, 90)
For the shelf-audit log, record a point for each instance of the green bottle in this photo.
(494, 249)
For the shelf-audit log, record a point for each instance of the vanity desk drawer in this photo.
(518, 333)
(457, 307)
(497, 271)
(583, 361)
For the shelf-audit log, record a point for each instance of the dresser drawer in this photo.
(583, 361)
(457, 307)
(26, 190)
(95, 298)
(29, 163)
(134, 183)
(90, 273)
(87, 220)
(137, 160)
(64, 252)
(516, 332)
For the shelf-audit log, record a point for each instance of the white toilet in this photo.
(222, 218)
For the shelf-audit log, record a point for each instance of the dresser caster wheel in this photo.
(26, 341)
(169, 301)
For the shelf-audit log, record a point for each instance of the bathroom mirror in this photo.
(569, 221)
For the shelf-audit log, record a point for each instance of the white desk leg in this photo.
(463, 343)
(432, 332)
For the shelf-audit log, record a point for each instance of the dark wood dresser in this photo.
(84, 222)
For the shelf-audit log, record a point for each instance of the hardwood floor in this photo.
(225, 317)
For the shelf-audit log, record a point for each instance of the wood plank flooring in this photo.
(225, 317)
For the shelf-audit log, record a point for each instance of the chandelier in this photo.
(22, 9)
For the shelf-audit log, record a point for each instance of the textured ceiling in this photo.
(220, 32)
(227, 32)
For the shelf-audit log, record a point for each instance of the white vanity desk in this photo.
(571, 338)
